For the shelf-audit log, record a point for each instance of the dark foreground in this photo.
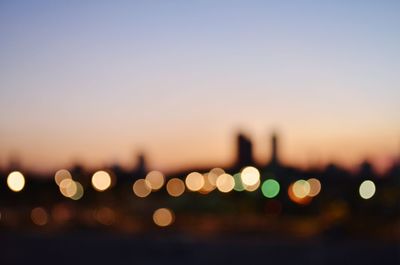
(101, 248)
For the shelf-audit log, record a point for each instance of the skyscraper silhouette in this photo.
(244, 151)
(274, 150)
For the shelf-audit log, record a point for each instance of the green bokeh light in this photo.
(270, 188)
(238, 183)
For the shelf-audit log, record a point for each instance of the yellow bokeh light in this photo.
(214, 174)
(61, 175)
(16, 181)
(156, 179)
(302, 201)
(141, 188)
(208, 186)
(301, 188)
(253, 187)
(194, 181)
(225, 183)
(39, 216)
(250, 176)
(367, 189)
(175, 187)
(163, 217)
(101, 180)
(315, 187)
(68, 188)
(79, 191)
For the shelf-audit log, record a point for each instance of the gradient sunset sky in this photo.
(97, 82)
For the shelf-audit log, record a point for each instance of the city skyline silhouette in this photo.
(199, 132)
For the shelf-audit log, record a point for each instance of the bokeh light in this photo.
(270, 188)
(16, 181)
(141, 188)
(315, 187)
(175, 187)
(367, 189)
(39, 216)
(238, 182)
(214, 174)
(301, 188)
(194, 181)
(208, 186)
(294, 198)
(61, 175)
(163, 217)
(68, 188)
(79, 191)
(101, 180)
(105, 216)
(225, 183)
(250, 176)
(61, 213)
(254, 187)
(155, 179)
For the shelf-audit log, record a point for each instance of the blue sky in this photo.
(98, 81)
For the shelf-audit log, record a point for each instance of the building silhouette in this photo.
(244, 151)
(274, 151)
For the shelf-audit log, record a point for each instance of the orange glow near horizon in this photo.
(175, 154)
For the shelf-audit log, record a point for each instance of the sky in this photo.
(98, 82)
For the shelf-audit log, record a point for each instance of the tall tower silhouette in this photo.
(244, 151)
(141, 167)
(274, 150)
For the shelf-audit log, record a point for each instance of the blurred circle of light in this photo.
(238, 182)
(61, 175)
(208, 186)
(156, 180)
(39, 216)
(141, 188)
(270, 188)
(302, 201)
(214, 174)
(68, 188)
(61, 213)
(315, 187)
(101, 180)
(175, 187)
(16, 181)
(105, 216)
(194, 181)
(163, 217)
(79, 191)
(250, 176)
(225, 183)
(367, 189)
(251, 188)
(301, 188)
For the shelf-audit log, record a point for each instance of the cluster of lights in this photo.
(302, 191)
(248, 179)
(103, 215)
(153, 181)
(68, 187)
